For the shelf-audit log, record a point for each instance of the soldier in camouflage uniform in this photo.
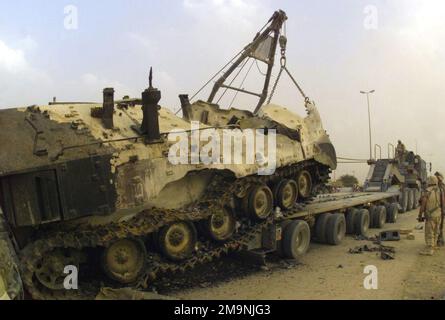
(400, 152)
(440, 178)
(3, 294)
(430, 213)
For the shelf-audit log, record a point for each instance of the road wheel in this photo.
(378, 217)
(403, 201)
(304, 181)
(286, 194)
(49, 271)
(259, 202)
(124, 260)
(220, 226)
(296, 239)
(178, 240)
(410, 200)
(362, 222)
(392, 212)
(336, 229)
(350, 218)
(320, 227)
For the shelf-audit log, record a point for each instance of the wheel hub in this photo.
(124, 260)
(221, 225)
(177, 238)
(289, 196)
(50, 271)
(305, 184)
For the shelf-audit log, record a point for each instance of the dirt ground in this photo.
(326, 272)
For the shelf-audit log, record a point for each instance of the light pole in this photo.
(369, 119)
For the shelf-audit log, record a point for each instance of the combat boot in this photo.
(428, 251)
(3, 293)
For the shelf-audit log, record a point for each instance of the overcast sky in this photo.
(335, 49)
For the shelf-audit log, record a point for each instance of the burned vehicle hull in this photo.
(97, 187)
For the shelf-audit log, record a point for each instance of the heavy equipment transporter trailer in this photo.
(326, 219)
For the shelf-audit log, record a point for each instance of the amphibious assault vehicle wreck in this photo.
(92, 185)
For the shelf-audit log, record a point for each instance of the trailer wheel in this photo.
(296, 239)
(392, 212)
(410, 200)
(350, 218)
(336, 229)
(378, 217)
(320, 227)
(286, 194)
(372, 216)
(361, 223)
(403, 201)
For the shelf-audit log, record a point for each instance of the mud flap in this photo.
(9, 274)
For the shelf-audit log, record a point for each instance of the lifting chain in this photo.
(283, 45)
(275, 86)
(283, 62)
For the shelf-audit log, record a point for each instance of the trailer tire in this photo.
(296, 239)
(372, 216)
(410, 200)
(320, 227)
(336, 229)
(350, 218)
(362, 222)
(403, 201)
(392, 212)
(379, 218)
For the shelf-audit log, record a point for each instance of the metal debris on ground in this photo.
(387, 255)
(390, 235)
(386, 252)
(365, 238)
(289, 264)
(361, 249)
(411, 236)
(419, 227)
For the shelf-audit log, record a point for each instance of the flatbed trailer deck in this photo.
(325, 219)
(341, 202)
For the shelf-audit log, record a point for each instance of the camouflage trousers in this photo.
(432, 231)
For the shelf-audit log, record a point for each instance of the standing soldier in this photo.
(3, 293)
(430, 213)
(400, 152)
(440, 178)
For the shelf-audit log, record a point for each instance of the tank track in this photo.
(220, 193)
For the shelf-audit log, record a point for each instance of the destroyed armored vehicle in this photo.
(98, 188)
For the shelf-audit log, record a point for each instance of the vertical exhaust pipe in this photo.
(108, 108)
(150, 110)
(186, 106)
